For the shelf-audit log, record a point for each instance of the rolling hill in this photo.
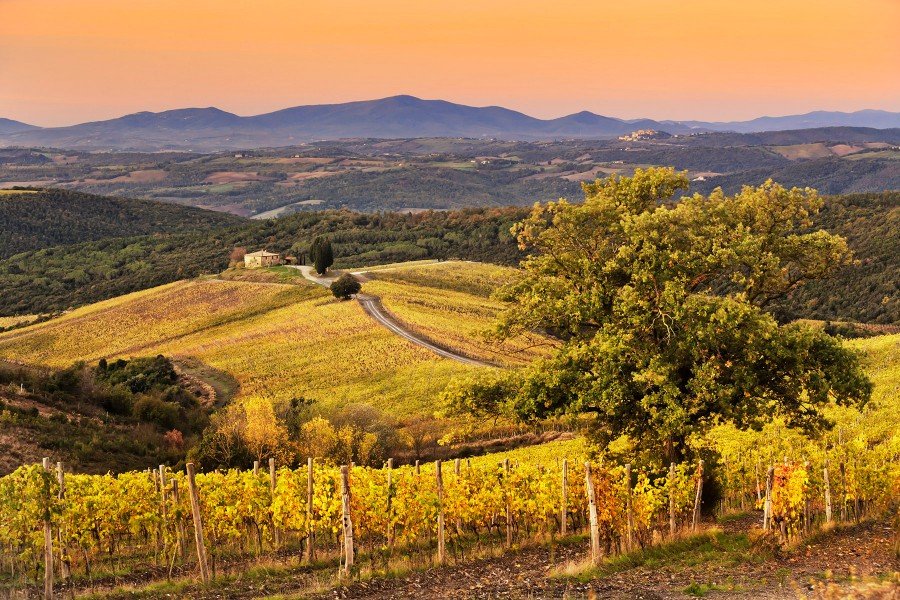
(32, 220)
(283, 341)
(403, 116)
(53, 279)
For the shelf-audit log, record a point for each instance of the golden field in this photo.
(278, 341)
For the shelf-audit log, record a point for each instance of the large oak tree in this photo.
(662, 307)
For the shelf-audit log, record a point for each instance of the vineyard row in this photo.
(53, 522)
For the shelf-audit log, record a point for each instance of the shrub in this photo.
(345, 286)
(154, 410)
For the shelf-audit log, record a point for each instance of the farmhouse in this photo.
(261, 258)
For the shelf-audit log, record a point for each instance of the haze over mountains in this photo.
(212, 129)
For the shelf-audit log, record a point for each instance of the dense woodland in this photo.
(868, 292)
(59, 277)
(54, 217)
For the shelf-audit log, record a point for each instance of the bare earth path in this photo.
(373, 307)
(864, 550)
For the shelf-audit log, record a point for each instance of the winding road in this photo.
(373, 307)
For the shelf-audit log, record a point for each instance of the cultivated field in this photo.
(279, 341)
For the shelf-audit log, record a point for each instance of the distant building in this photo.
(261, 258)
(644, 134)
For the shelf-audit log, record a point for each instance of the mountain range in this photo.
(212, 129)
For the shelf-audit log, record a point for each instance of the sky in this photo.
(69, 61)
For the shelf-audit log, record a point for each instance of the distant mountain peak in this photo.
(399, 116)
(10, 126)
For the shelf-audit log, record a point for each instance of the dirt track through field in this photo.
(373, 307)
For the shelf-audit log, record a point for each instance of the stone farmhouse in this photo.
(261, 258)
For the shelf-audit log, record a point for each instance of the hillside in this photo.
(50, 280)
(46, 218)
(868, 292)
(55, 279)
(284, 341)
(8, 126)
(282, 338)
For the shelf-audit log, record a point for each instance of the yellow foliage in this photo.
(262, 433)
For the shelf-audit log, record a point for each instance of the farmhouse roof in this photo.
(261, 253)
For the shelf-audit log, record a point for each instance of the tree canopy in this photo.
(321, 254)
(662, 307)
(345, 286)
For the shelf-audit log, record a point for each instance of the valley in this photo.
(450, 173)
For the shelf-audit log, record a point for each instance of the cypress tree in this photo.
(327, 253)
(321, 254)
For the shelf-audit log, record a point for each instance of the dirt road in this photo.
(373, 307)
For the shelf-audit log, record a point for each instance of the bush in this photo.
(345, 286)
(154, 410)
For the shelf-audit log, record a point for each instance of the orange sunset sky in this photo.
(67, 61)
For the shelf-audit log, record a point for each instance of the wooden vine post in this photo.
(347, 521)
(198, 524)
(672, 500)
(509, 531)
(48, 541)
(827, 492)
(843, 470)
(272, 481)
(441, 557)
(758, 488)
(310, 535)
(767, 507)
(629, 511)
(176, 501)
(390, 498)
(564, 511)
(592, 512)
(65, 566)
(698, 496)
